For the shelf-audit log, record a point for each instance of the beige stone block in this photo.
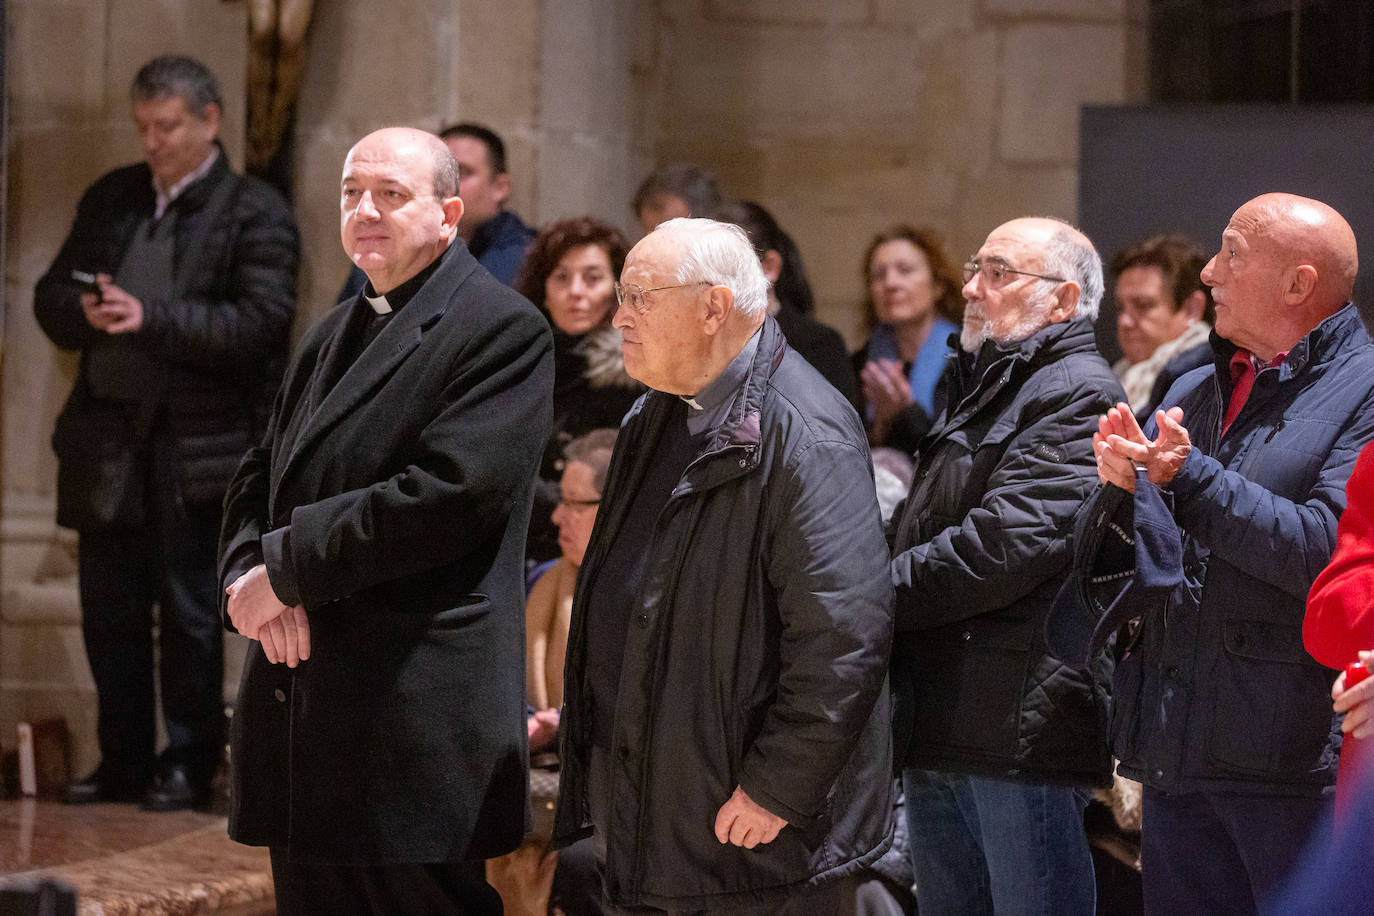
(499, 60)
(958, 109)
(51, 88)
(930, 19)
(782, 82)
(1079, 9)
(1011, 191)
(44, 657)
(1048, 72)
(366, 71)
(790, 12)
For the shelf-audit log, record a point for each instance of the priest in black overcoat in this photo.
(373, 546)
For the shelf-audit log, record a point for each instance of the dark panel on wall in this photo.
(1186, 168)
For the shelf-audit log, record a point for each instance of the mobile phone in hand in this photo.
(86, 281)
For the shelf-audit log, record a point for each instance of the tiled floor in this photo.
(123, 860)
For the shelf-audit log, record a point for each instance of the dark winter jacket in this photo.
(1214, 690)
(757, 653)
(978, 554)
(218, 337)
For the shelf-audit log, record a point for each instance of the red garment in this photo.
(1242, 381)
(1340, 608)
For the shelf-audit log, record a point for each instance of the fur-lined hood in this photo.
(600, 347)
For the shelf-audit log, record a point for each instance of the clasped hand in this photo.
(1121, 447)
(256, 612)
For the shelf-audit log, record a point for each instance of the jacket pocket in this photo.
(1272, 706)
(969, 680)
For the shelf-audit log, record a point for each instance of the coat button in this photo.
(280, 695)
(744, 462)
(622, 753)
(643, 620)
(1173, 671)
(1159, 774)
(966, 636)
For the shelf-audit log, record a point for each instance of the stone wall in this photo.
(846, 116)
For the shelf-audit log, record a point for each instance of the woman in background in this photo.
(570, 273)
(913, 305)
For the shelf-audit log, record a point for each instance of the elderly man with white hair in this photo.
(996, 737)
(726, 726)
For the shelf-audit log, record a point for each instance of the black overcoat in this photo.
(406, 486)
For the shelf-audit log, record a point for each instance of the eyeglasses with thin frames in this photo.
(995, 272)
(635, 295)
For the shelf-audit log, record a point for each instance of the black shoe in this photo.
(175, 789)
(101, 786)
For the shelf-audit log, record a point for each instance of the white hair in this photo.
(1070, 255)
(722, 255)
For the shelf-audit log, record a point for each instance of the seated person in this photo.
(1164, 316)
(548, 609)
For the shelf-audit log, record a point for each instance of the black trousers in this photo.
(405, 889)
(169, 561)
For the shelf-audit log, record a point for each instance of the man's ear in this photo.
(1302, 282)
(453, 212)
(1066, 301)
(719, 304)
(500, 186)
(772, 266)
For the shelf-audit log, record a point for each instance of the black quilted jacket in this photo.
(979, 552)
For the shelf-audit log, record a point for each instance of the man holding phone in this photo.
(177, 286)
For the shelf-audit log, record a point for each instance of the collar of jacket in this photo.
(1335, 334)
(732, 449)
(196, 193)
(999, 361)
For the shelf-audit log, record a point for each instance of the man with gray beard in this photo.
(998, 740)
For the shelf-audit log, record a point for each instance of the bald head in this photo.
(399, 208)
(1307, 231)
(408, 142)
(1286, 264)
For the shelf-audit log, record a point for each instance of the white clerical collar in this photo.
(378, 303)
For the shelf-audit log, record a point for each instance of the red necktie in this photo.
(1242, 380)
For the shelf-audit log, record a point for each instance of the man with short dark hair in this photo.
(726, 731)
(1217, 708)
(997, 738)
(1163, 318)
(374, 547)
(177, 285)
(676, 190)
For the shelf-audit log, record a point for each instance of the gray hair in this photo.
(594, 450)
(445, 173)
(722, 255)
(1070, 255)
(172, 75)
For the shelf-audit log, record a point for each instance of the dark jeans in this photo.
(402, 888)
(168, 561)
(984, 845)
(1222, 852)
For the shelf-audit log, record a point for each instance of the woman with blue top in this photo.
(913, 306)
